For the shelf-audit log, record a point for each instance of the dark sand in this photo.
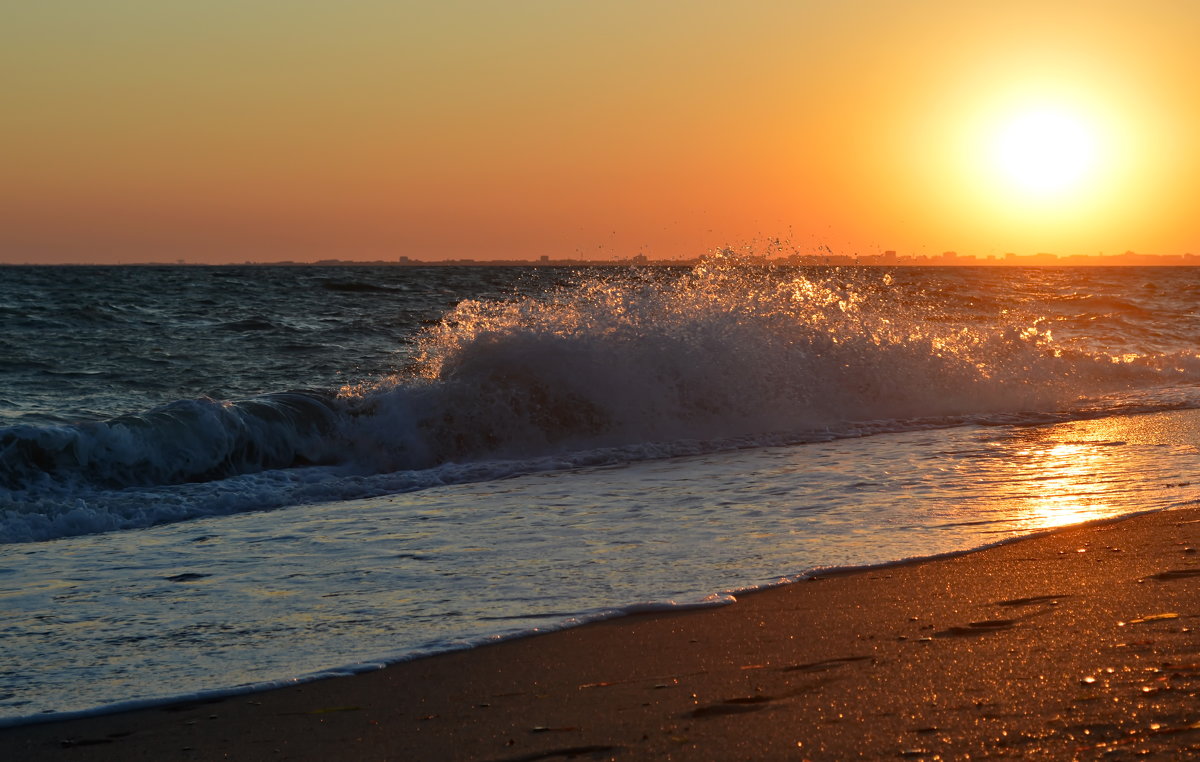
(1080, 644)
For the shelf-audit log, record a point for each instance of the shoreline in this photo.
(713, 600)
(1073, 642)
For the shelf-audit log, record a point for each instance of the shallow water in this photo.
(268, 596)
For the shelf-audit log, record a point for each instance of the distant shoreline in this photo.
(1128, 259)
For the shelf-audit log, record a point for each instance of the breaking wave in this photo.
(618, 367)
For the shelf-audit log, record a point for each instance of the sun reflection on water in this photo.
(1052, 476)
(1070, 490)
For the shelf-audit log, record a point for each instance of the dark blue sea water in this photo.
(217, 477)
(92, 343)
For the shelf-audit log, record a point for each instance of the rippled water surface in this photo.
(214, 477)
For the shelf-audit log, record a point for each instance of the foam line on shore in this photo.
(370, 665)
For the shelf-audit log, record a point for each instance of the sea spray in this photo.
(719, 351)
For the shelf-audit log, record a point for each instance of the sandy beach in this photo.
(1076, 644)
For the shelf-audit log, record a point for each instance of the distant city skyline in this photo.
(885, 259)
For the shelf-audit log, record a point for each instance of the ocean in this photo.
(219, 479)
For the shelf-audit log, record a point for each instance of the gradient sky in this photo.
(222, 130)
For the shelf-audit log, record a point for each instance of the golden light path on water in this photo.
(1082, 471)
(1070, 491)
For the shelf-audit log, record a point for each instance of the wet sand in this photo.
(1078, 644)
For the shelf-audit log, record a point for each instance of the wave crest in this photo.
(722, 350)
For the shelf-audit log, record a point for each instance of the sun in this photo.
(1046, 153)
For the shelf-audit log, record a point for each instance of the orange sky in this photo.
(140, 130)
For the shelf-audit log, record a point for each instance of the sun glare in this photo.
(1045, 153)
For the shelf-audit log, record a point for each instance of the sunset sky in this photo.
(224, 130)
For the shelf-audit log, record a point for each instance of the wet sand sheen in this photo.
(1074, 644)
